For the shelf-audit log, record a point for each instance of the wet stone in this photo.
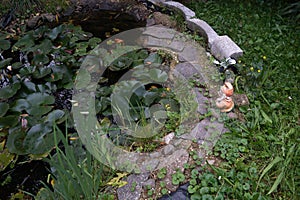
(127, 192)
(168, 149)
(160, 33)
(149, 164)
(202, 102)
(186, 69)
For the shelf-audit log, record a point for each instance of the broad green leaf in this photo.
(39, 110)
(15, 141)
(29, 86)
(40, 59)
(121, 63)
(10, 90)
(3, 108)
(153, 58)
(4, 44)
(41, 72)
(151, 97)
(17, 65)
(56, 116)
(40, 98)
(25, 43)
(9, 121)
(39, 139)
(158, 76)
(55, 32)
(20, 105)
(45, 47)
(4, 63)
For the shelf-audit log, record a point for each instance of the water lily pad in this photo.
(153, 58)
(4, 44)
(20, 105)
(15, 141)
(39, 104)
(40, 59)
(5, 62)
(41, 72)
(39, 139)
(25, 43)
(9, 90)
(55, 32)
(158, 75)
(9, 121)
(121, 63)
(3, 108)
(56, 116)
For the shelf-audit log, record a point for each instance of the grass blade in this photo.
(276, 183)
(276, 160)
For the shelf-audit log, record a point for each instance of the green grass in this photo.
(267, 165)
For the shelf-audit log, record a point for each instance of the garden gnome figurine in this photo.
(225, 102)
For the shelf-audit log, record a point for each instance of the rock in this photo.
(240, 99)
(129, 191)
(164, 20)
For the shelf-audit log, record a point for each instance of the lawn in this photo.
(266, 165)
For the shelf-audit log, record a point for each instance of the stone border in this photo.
(221, 47)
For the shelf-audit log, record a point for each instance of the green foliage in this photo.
(259, 155)
(75, 172)
(48, 62)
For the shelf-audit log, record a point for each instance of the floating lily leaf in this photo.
(17, 65)
(20, 105)
(15, 141)
(9, 90)
(9, 121)
(41, 72)
(3, 108)
(102, 104)
(158, 75)
(40, 98)
(4, 44)
(25, 43)
(5, 62)
(55, 32)
(153, 58)
(39, 103)
(56, 116)
(40, 59)
(121, 63)
(103, 91)
(29, 87)
(39, 139)
(151, 97)
(45, 47)
(27, 70)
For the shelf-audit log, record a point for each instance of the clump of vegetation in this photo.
(259, 155)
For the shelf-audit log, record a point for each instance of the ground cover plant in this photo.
(260, 155)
